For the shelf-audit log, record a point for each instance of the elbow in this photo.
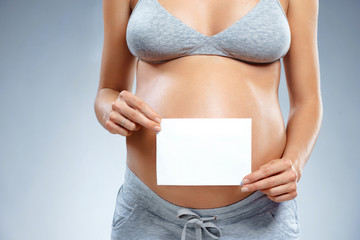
(321, 109)
(316, 110)
(313, 106)
(97, 107)
(321, 112)
(95, 102)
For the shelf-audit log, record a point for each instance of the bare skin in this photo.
(210, 86)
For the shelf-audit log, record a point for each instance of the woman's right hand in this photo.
(134, 111)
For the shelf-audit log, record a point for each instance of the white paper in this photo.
(203, 151)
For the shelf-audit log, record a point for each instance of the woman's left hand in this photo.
(277, 179)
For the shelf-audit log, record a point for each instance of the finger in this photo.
(134, 115)
(116, 129)
(268, 182)
(268, 169)
(138, 126)
(137, 103)
(283, 197)
(117, 118)
(281, 189)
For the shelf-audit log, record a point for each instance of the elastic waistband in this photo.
(138, 192)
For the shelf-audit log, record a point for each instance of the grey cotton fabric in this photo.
(142, 214)
(262, 35)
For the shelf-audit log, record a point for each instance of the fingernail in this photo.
(244, 189)
(158, 120)
(157, 128)
(245, 180)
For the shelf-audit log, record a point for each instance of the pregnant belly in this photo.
(216, 95)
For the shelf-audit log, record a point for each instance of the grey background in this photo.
(60, 170)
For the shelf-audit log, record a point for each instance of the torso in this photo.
(208, 86)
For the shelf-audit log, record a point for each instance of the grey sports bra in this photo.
(154, 35)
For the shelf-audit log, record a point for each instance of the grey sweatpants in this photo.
(141, 214)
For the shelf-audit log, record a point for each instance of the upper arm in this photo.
(301, 63)
(117, 63)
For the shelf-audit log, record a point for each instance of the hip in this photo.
(142, 214)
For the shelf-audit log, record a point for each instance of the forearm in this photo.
(302, 131)
(103, 102)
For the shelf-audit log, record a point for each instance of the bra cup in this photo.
(268, 47)
(259, 40)
(149, 36)
(262, 36)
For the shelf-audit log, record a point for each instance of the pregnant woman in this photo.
(210, 59)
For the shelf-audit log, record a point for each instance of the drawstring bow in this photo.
(200, 223)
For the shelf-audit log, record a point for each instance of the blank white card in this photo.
(203, 151)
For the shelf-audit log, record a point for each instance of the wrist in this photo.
(296, 166)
